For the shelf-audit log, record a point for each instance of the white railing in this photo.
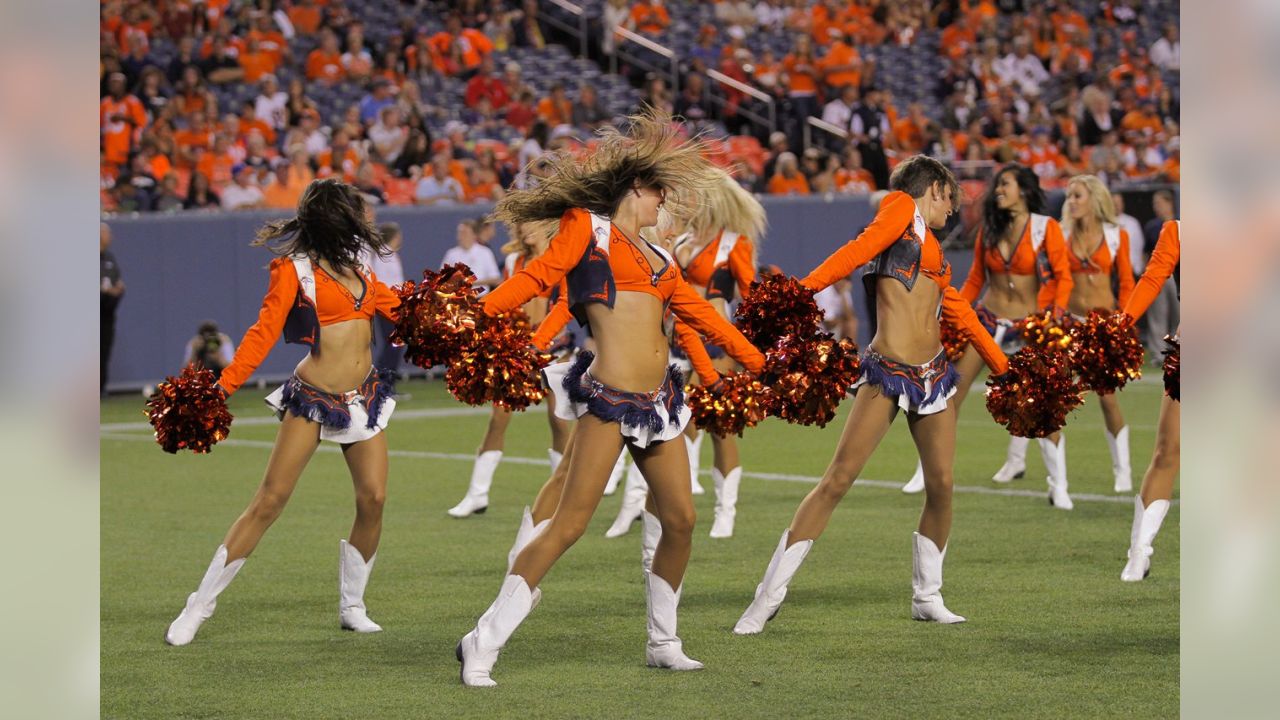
(671, 73)
(770, 122)
(581, 32)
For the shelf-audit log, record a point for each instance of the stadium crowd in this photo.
(229, 120)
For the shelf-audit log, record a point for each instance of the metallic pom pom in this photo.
(1105, 352)
(499, 366)
(1034, 397)
(189, 412)
(737, 402)
(1043, 330)
(777, 305)
(437, 318)
(954, 342)
(1173, 368)
(810, 375)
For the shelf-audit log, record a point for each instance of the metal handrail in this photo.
(823, 125)
(770, 122)
(581, 32)
(672, 73)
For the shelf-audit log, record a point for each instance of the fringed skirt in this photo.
(646, 418)
(343, 417)
(920, 389)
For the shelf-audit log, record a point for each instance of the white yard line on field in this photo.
(1126, 499)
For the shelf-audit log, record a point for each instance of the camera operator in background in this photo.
(210, 348)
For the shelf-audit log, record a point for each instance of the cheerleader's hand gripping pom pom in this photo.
(438, 316)
(1105, 352)
(1033, 398)
(500, 366)
(775, 306)
(954, 342)
(189, 412)
(736, 402)
(1045, 330)
(810, 375)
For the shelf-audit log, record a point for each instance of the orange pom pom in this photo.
(1105, 352)
(810, 376)
(499, 366)
(1033, 398)
(737, 402)
(189, 412)
(437, 317)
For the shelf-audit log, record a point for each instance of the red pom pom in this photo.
(437, 317)
(1044, 331)
(1105, 352)
(737, 402)
(954, 343)
(189, 412)
(776, 306)
(1173, 369)
(499, 366)
(1033, 398)
(810, 375)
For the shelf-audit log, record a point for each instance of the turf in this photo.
(1052, 632)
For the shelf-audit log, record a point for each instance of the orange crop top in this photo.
(1041, 251)
(1163, 264)
(721, 264)
(598, 262)
(1111, 257)
(894, 240)
(300, 308)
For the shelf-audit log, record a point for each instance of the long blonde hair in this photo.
(729, 207)
(1099, 197)
(542, 232)
(652, 154)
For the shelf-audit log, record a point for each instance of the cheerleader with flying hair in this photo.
(624, 394)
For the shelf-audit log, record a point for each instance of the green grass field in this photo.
(1052, 631)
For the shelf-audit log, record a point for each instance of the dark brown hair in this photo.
(915, 175)
(331, 225)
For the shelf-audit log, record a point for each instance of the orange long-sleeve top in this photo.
(1101, 262)
(595, 275)
(740, 268)
(1054, 291)
(286, 304)
(895, 222)
(1164, 260)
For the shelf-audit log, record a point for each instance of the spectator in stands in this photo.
(250, 123)
(852, 178)
(185, 58)
(110, 291)
(526, 29)
(222, 66)
(557, 109)
(1167, 51)
(535, 144)
(521, 114)
(470, 252)
(1130, 224)
(121, 118)
(744, 175)
(388, 136)
(705, 54)
(357, 62)
(379, 97)
(169, 200)
(152, 93)
(1099, 116)
(298, 102)
(616, 14)
(458, 50)
(216, 164)
(787, 178)
(803, 74)
(487, 159)
(210, 349)
(340, 159)
(1162, 317)
(439, 187)
(285, 186)
(692, 105)
(482, 185)
(487, 83)
(869, 129)
(324, 64)
(1021, 68)
(242, 193)
(588, 111)
(823, 182)
(842, 65)
(656, 95)
(305, 16)
(777, 145)
(416, 154)
(200, 195)
(272, 103)
(256, 62)
(735, 12)
(368, 185)
(650, 17)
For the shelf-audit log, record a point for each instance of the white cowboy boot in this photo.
(695, 461)
(664, 649)
(478, 649)
(1146, 523)
(615, 475)
(1119, 444)
(726, 501)
(477, 498)
(353, 576)
(633, 496)
(772, 590)
(1055, 461)
(201, 603)
(526, 532)
(555, 458)
(1015, 461)
(926, 582)
(916, 483)
(650, 534)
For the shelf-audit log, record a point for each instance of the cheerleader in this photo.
(1020, 259)
(620, 286)
(321, 296)
(904, 368)
(1102, 278)
(1152, 502)
(550, 316)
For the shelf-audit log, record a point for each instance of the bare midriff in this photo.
(907, 320)
(1090, 292)
(343, 358)
(1011, 296)
(631, 348)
